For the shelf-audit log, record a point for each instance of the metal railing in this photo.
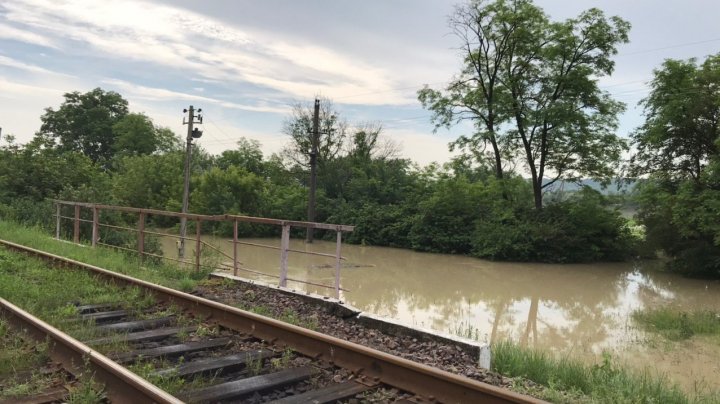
(284, 248)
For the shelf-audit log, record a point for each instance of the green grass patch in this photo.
(169, 275)
(678, 325)
(569, 380)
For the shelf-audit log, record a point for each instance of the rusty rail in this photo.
(121, 385)
(430, 383)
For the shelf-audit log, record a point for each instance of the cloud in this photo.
(15, 34)
(161, 94)
(16, 64)
(182, 40)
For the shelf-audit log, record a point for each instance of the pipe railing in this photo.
(284, 248)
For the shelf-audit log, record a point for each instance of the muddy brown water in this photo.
(579, 310)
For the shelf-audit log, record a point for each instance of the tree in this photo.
(247, 156)
(299, 126)
(84, 123)
(682, 120)
(678, 154)
(136, 135)
(530, 87)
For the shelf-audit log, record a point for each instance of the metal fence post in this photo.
(76, 227)
(284, 246)
(337, 264)
(197, 244)
(95, 226)
(141, 236)
(57, 222)
(235, 247)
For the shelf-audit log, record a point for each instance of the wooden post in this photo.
(235, 247)
(141, 236)
(76, 227)
(284, 246)
(57, 221)
(337, 264)
(96, 226)
(197, 244)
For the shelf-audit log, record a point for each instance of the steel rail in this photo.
(425, 381)
(121, 385)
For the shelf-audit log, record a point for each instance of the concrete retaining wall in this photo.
(385, 325)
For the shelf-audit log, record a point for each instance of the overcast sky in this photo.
(246, 62)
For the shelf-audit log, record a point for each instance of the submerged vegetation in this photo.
(570, 381)
(679, 325)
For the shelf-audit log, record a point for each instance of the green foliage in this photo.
(227, 191)
(529, 85)
(84, 123)
(246, 156)
(462, 207)
(678, 147)
(678, 325)
(579, 229)
(299, 127)
(605, 382)
(136, 135)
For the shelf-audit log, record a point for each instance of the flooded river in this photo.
(581, 310)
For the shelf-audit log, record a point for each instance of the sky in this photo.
(245, 63)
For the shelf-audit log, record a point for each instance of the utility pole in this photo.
(192, 133)
(313, 169)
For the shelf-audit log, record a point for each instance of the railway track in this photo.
(248, 358)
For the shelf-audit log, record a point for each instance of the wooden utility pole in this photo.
(191, 134)
(313, 169)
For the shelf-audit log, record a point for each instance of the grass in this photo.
(569, 380)
(678, 325)
(169, 275)
(171, 383)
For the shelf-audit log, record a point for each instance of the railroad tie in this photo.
(230, 390)
(170, 350)
(329, 394)
(138, 325)
(51, 395)
(220, 365)
(142, 336)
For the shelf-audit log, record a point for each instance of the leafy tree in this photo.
(678, 149)
(299, 126)
(247, 156)
(37, 172)
(682, 120)
(530, 87)
(135, 134)
(153, 182)
(227, 191)
(84, 123)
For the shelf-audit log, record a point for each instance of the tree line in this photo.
(528, 85)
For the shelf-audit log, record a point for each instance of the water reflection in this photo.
(582, 309)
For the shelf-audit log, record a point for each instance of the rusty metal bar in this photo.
(284, 245)
(141, 235)
(95, 228)
(235, 247)
(191, 216)
(403, 374)
(121, 385)
(198, 224)
(76, 225)
(337, 265)
(57, 221)
(289, 249)
(315, 284)
(80, 220)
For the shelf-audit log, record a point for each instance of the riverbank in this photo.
(653, 290)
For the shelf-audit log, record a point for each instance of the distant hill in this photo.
(615, 187)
